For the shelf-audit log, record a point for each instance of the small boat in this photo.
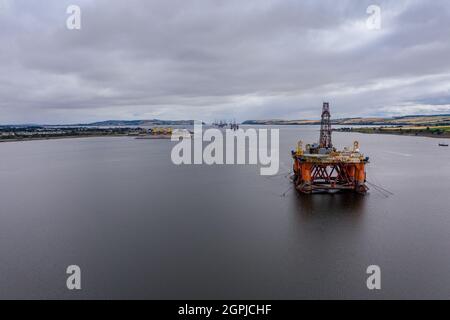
(443, 144)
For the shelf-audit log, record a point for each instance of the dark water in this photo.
(141, 227)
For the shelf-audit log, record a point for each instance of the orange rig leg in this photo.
(303, 177)
(360, 185)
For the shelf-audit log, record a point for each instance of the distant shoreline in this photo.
(430, 132)
(425, 120)
(18, 134)
(62, 137)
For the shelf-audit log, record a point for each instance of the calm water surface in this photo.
(141, 227)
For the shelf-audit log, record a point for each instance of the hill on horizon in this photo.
(441, 119)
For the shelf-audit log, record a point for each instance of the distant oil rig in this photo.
(225, 124)
(321, 168)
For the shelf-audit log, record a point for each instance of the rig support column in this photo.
(360, 185)
(305, 177)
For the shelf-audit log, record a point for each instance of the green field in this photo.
(428, 131)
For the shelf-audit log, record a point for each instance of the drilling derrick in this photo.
(325, 127)
(321, 168)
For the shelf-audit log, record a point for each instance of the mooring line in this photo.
(384, 189)
(380, 189)
(284, 193)
(383, 194)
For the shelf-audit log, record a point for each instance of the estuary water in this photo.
(140, 227)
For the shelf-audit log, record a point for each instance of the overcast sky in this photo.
(221, 59)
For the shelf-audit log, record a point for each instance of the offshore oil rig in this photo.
(321, 168)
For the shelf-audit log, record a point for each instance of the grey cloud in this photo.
(211, 59)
